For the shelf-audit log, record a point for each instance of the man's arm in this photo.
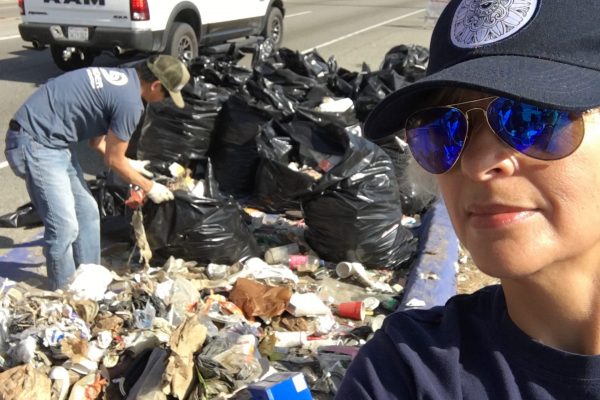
(113, 150)
(98, 143)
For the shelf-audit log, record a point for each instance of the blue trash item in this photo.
(281, 386)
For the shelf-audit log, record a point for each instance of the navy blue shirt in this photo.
(468, 349)
(83, 104)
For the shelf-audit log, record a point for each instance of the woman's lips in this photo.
(497, 216)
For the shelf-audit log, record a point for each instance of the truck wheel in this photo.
(80, 58)
(274, 27)
(182, 41)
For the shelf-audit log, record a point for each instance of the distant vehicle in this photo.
(79, 30)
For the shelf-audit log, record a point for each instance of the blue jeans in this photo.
(61, 197)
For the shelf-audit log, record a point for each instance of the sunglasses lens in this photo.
(436, 137)
(545, 134)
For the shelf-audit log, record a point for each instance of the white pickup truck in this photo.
(79, 30)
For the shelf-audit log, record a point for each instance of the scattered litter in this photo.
(286, 246)
(414, 302)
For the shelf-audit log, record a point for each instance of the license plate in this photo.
(77, 33)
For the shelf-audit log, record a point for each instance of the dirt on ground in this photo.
(469, 278)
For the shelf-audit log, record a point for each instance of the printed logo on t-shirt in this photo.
(97, 77)
(479, 22)
(114, 77)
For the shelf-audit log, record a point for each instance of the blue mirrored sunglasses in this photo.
(438, 135)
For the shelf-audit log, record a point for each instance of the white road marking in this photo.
(363, 30)
(298, 14)
(10, 37)
(3, 164)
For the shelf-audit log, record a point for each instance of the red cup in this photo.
(352, 309)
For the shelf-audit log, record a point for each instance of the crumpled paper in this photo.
(258, 300)
(25, 382)
(187, 339)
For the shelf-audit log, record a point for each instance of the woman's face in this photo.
(517, 215)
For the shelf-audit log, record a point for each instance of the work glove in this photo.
(159, 193)
(140, 166)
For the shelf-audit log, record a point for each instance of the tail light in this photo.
(22, 6)
(139, 10)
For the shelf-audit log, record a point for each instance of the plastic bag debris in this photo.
(23, 216)
(90, 282)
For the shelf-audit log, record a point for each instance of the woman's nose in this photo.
(485, 156)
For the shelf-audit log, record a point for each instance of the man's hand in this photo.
(140, 166)
(159, 193)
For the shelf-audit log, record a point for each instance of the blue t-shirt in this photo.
(468, 349)
(83, 104)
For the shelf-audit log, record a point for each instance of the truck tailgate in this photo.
(115, 13)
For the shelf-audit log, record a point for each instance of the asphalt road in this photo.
(353, 31)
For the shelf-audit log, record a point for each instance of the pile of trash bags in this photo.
(285, 247)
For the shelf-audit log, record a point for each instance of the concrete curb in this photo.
(432, 279)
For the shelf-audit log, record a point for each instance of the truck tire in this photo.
(274, 27)
(75, 62)
(182, 39)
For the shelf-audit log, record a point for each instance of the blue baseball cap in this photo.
(546, 52)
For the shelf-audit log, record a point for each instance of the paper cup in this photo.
(352, 309)
(346, 269)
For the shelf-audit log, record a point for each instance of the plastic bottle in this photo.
(281, 254)
(304, 263)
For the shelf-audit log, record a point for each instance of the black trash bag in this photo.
(415, 198)
(110, 193)
(137, 373)
(343, 83)
(278, 188)
(409, 61)
(272, 95)
(310, 64)
(355, 211)
(24, 216)
(220, 68)
(372, 87)
(198, 229)
(233, 149)
(294, 86)
(198, 91)
(173, 134)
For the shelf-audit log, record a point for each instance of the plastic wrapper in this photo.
(198, 229)
(171, 134)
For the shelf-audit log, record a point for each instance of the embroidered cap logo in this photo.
(479, 22)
